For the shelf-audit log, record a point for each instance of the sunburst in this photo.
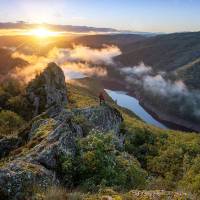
(42, 32)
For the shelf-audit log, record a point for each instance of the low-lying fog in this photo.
(82, 61)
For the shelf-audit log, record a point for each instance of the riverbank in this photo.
(171, 122)
(132, 104)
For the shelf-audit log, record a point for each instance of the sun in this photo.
(42, 32)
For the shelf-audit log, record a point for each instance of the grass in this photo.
(59, 193)
(174, 152)
(84, 93)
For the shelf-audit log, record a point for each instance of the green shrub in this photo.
(168, 156)
(10, 122)
(141, 143)
(99, 164)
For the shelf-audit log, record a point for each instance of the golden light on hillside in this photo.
(42, 32)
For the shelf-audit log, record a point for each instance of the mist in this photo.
(80, 59)
(157, 85)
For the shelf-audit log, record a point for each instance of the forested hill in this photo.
(119, 40)
(165, 52)
(57, 139)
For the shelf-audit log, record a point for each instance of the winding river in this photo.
(132, 104)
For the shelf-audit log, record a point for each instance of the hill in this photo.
(119, 40)
(78, 144)
(172, 61)
(163, 52)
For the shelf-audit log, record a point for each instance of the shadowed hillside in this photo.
(163, 52)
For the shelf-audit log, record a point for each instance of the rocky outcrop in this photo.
(64, 129)
(49, 138)
(34, 155)
(47, 89)
(19, 178)
(103, 118)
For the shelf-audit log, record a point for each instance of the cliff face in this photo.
(33, 161)
(47, 89)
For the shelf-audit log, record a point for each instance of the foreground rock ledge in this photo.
(54, 133)
(31, 158)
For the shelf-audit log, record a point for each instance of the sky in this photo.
(134, 15)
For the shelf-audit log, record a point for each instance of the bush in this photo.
(141, 143)
(10, 122)
(99, 164)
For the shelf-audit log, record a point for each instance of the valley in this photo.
(150, 128)
(99, 100)
(161, 53)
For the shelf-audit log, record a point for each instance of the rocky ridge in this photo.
(33, 155)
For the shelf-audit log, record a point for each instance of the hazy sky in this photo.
(139, 15)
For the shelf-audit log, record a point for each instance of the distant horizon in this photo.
(155, 16)
(18, 25)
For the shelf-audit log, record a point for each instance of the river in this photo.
(132, 104)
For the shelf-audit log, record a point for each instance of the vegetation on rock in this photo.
(101, 163)
(10, 122)
(93, 148)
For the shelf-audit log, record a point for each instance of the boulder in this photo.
(103, 118)
(48, 89)
(48, 139)
(19, 178)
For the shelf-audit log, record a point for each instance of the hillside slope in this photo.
(163, 52)
(90, 147)
(119, 40)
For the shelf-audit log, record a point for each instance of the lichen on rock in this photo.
(52, 134)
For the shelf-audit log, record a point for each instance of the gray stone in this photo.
(50, 135)
(48, 89)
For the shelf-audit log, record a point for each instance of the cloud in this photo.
(95, 56)
(80, 59)
(139, 70)
(156, 84)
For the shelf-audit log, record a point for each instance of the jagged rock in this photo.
(50, 135)
(157, 194)
(103, 118)
(106, 198)
(62, 140)
(19, 177)
(47, 89)
(50, 138)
